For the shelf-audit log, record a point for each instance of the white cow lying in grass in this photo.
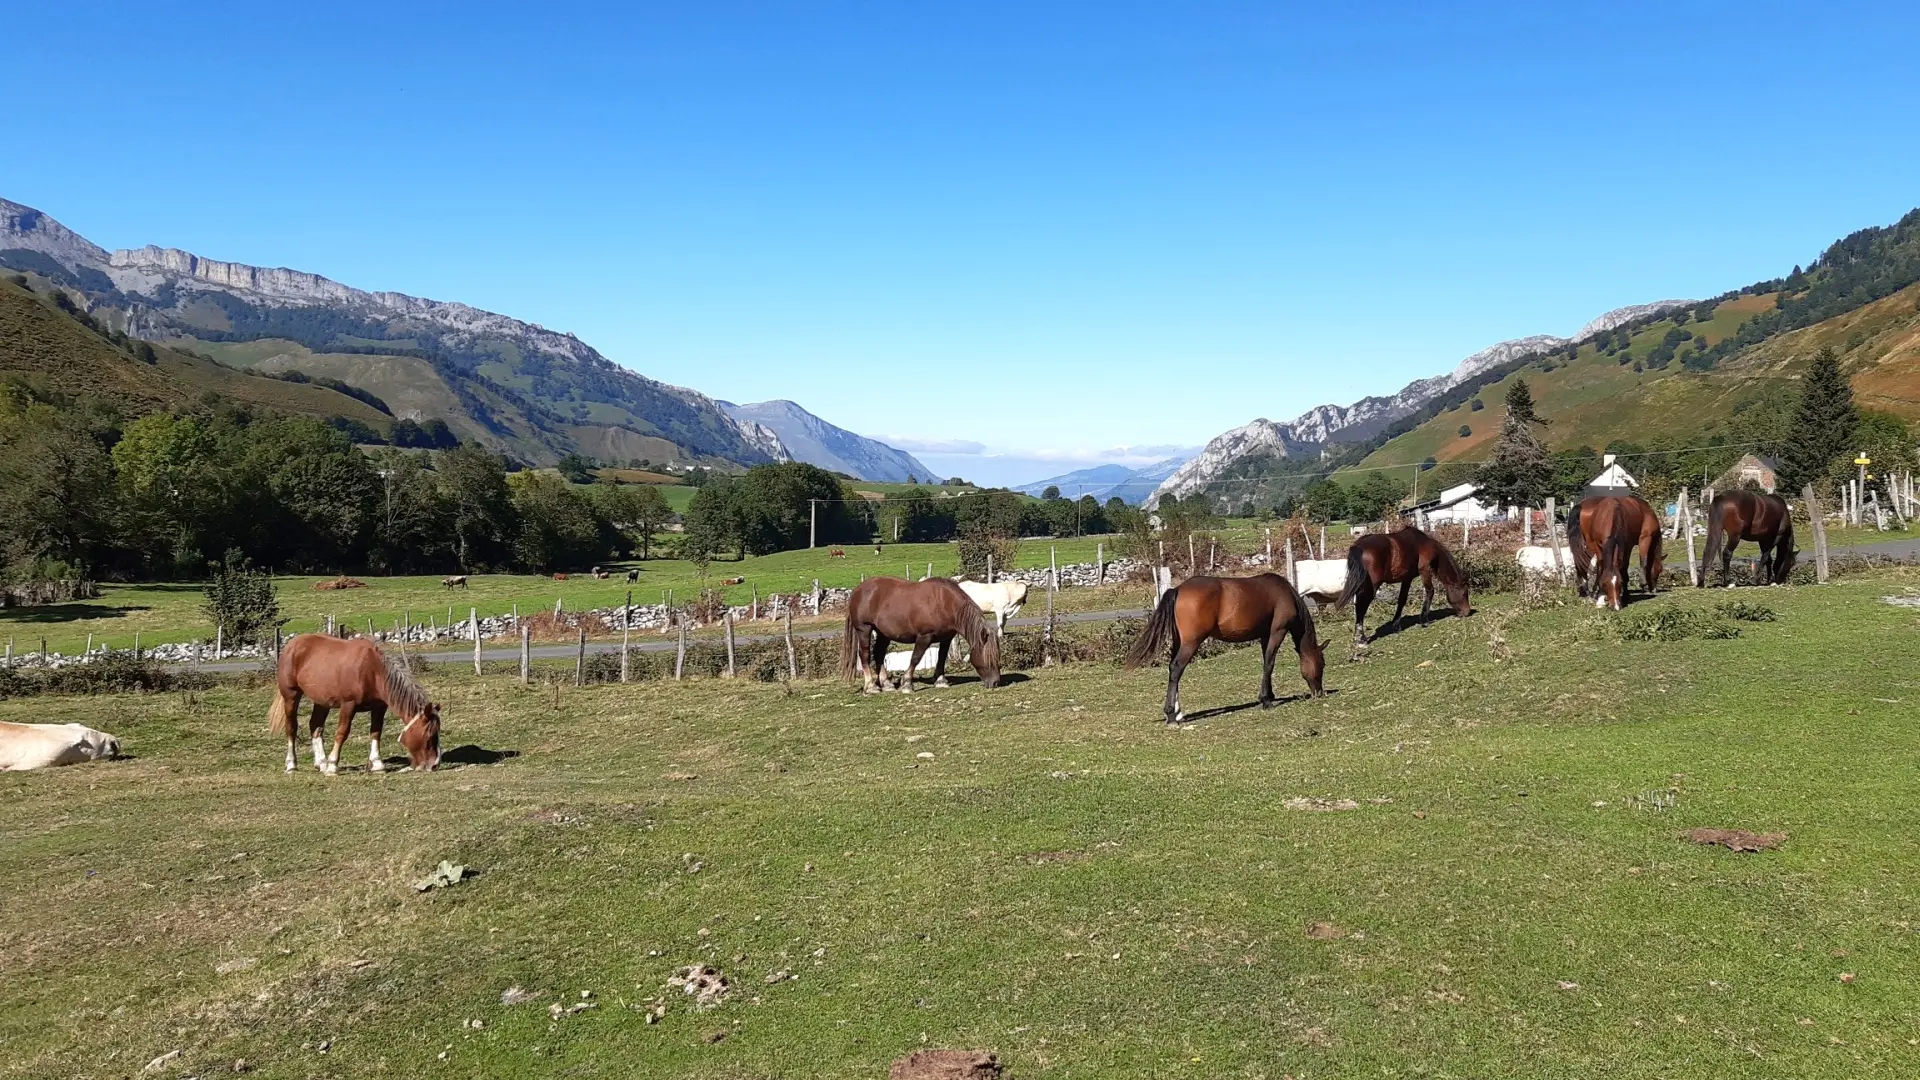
(1320, 579)
(1538, 559)
(1002, 599)
(37, 746)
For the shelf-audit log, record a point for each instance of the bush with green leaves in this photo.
(242, 602)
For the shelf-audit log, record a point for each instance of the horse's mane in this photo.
(982, 644)
(404, 695)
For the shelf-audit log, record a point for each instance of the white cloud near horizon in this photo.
(932, 446)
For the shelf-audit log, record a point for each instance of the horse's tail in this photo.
(1576, 540)
(1784, 555)
(1613, 560)
(1716, 538)
(1159, 631)
(279, 717)
(1356, 573)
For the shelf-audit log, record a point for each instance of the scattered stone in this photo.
(517, 995)
(1303, 802)
(239, 963)
(946, 1065)
(701, 982)
(925, 755)
(1325, 931)
(444, 875)
(1737, 839)
(679, 776)
(156, 1063)
(1846, 978)
(1565, 985)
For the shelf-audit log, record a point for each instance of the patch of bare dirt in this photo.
(1325, 931)
(1041, 858)
(341, 582)
(701, 982)
(946, 1065)
(1737, 839)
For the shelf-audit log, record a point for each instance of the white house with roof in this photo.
(1456, 504)
(1613, 480)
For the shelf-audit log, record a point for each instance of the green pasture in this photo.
(172, 611)
(1042, 870)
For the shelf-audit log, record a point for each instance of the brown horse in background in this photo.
(350, 675)
(884, 610)
(1264, 609)
(1611, 527)
(1750, 515)
(1386, 558)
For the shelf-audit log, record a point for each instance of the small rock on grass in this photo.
(1737, 839)
(518, 995)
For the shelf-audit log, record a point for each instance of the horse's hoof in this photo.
(376, 766)
(940, 684)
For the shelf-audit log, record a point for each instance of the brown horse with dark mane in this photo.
(351, 675)
(1264, 609)
(1398, 557)
(884, 610)
(1611, 527)
(1750, 515)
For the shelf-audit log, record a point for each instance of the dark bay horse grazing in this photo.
(1264, 609)
(1602, 533)
(1749, 515)
(350, 675)
(884, 610)
(1398, 557)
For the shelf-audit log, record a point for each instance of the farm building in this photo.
(1455, 504)
(1613, 480)
(1751, 469)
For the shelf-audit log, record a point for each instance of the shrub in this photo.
(113, 673)
(1742, 611)
(1673, 624)
(1489, 571)
(241, 602)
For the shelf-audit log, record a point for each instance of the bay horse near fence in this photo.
(1749, 515)
(1378, 559)
(350, 675)
(1264, 609)
(1602, 533)
(884, 610)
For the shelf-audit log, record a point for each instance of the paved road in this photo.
(653, 644)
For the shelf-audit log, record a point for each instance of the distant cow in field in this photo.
(601, 574)
(452, 580)
(633, 576)
(38, 746)
(836, 553)
(559, 577)
(733, 581)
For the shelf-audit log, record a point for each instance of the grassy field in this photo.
(1042, 870)
(171, 611)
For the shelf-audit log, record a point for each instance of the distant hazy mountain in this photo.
(1104, 482)
(812, 440)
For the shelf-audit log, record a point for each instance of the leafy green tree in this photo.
(474, 482)
(1375, 496)
(576, 469)
(57, 501)
(1466, 432)
(916, 516)
(641, 511)
(242, 602)
(413, 526)
(1520, 473)
(1820, 440)
(1052, 492)
(558, 526)
(1326, 501)
(712, 524)
(1476, 405)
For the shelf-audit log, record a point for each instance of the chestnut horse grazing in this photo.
(1264, 609)
(1749, 515)
(350, 675)
(888, 609)
(1378, 559)
(1602, 532)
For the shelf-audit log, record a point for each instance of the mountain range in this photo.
(816, 442)
(1312, 431)
(1103, 482)
(517, 387)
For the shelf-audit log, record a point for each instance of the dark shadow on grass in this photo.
(48, 614)
(470, 754)
(1225, 710)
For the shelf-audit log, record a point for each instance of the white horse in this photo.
(1320, 579)
(1002, 599)
(37, 746)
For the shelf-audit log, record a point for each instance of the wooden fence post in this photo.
(1290, 567)
(1323, 541)
(989, 567)
(526, 653)
(136, 649)
(1046, 641)
(1269, 536)
(1819, 521)
(580, 658)
(1192, 566)
(1466, 533)
(1559, 568)
(473, 620)
(793, 666)
(1893, 504)
(1100, 563)
(1686, 526)
(220, 639)
(816, 596)
(1526, 525)
(626, 634)
(680, 655)
(728, 619)
(1053, 567)
(753, 615)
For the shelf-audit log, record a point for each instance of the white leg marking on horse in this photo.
(319, 754)
(941, 681)
(373, 757)
(1600, 600)
(291, 757)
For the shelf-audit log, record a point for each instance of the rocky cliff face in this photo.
(552, 382)
(812, 440)
(1365, 418)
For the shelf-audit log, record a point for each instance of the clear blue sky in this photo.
(1049, 228)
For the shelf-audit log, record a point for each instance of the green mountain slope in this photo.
(1698, 374)
(58, 351)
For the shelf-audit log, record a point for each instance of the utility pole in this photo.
(813, 519)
